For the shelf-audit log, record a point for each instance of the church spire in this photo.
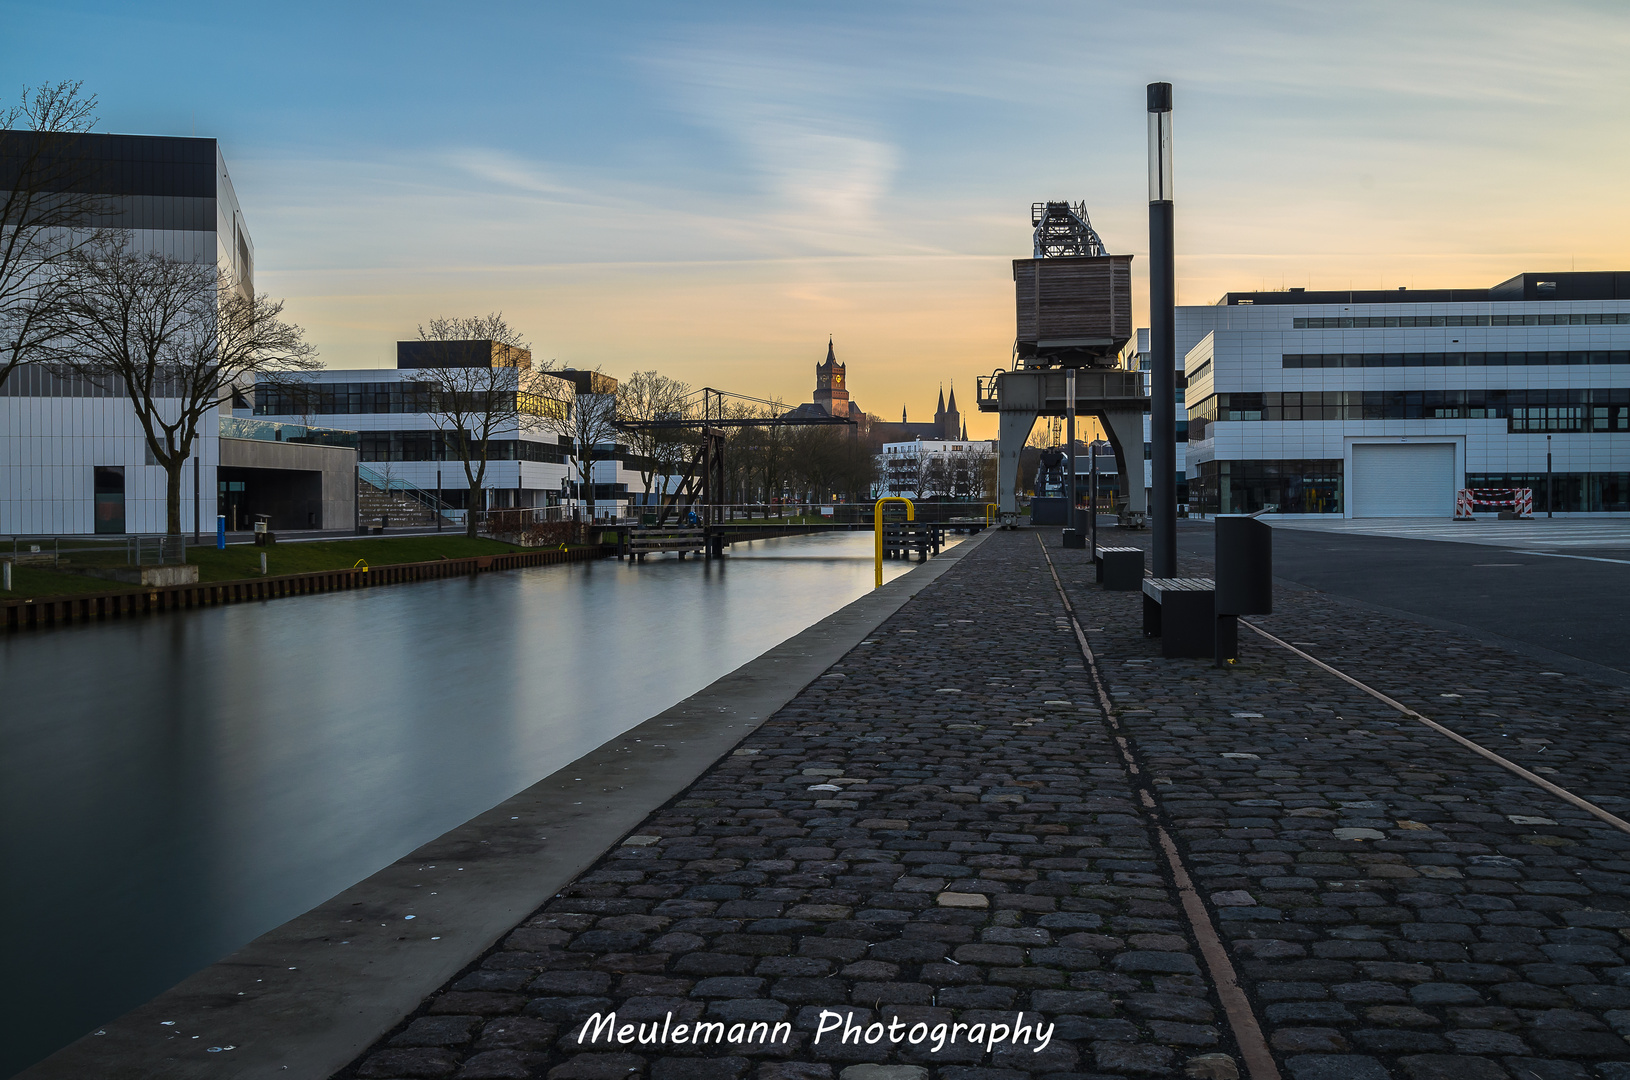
(952, 406)
(831, 358)
(939, 413)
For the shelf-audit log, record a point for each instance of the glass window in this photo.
(108, 497)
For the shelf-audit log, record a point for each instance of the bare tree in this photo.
(936, 477)
(471, 400)
(920, 473)
(770, 452)
(176, 338)
(966, 464)
(740, 444)
(44, 214)
(581, 406)
(647, 395)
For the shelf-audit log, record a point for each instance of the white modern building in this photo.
(402, 443)
(73, 458)
(921, 468)
(1136, 357)
(1385, 404)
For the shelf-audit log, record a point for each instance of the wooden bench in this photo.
(1118, 569)
(1180, 612)
(901, 538)
(643, 541)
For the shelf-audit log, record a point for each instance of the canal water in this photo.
(171, 788)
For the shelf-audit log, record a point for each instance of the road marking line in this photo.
(1586, 558)
(1242, 1021)
(1561, 793)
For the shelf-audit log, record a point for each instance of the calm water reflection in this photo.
(172, 788)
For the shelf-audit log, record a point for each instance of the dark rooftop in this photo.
(1569, 285)
(105, 164)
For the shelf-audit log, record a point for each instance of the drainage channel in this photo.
(1242, 1020)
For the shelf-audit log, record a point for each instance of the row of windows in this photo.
(343, 399)
(1315, 487)
(329, 399)
(1573, 357)
(440, 446)
(1376, 322)
(1569, 492)
(1310, 486)
(1524, 409)
(36, 380)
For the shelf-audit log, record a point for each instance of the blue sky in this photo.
(710, 189)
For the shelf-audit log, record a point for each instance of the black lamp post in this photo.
(1162, 336)
(1550, 501)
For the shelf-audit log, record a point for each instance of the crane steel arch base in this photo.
(1115, 396)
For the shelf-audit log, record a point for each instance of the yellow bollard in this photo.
(877, 523)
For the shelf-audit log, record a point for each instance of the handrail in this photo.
(990, 511)
(379, 482)
(877, 523)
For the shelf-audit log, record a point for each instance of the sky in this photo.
(711, 189)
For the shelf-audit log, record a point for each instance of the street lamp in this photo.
(1162, 336)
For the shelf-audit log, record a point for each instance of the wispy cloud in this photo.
(811, 141)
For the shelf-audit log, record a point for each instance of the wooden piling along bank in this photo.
(62, 610)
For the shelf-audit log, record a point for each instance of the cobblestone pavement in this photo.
(939, 831)
(1395, 903)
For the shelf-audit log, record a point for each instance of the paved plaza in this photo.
(947, 831)
(1563, 609)
(1540, 533)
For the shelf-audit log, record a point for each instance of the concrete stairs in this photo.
(374, 506)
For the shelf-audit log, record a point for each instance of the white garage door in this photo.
(1403, 480)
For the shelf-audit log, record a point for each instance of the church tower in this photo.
(939, 414)
(831, 392)
(949, 419)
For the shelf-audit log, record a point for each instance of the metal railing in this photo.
(859, 512)
(238, 427)
(606, 515)
(94, 551)
(393, 485)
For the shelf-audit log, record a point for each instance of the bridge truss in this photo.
(702, 485)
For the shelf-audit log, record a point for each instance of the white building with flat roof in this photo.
(402, 443)
(923, 468)
(1385, 404)
(73, 456)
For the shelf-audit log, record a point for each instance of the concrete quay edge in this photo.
(304, 999)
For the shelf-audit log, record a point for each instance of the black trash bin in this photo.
(1244, 556)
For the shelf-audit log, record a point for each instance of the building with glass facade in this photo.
(1135, 357)
(73, 457)
(1384, 404)
(401, 438)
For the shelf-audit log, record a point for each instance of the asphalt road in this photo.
(1576, 607)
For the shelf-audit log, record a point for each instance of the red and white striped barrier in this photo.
(1520, 500)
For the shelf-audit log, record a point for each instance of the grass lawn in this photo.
(240, 561)
(243, 560)
(32, 581)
